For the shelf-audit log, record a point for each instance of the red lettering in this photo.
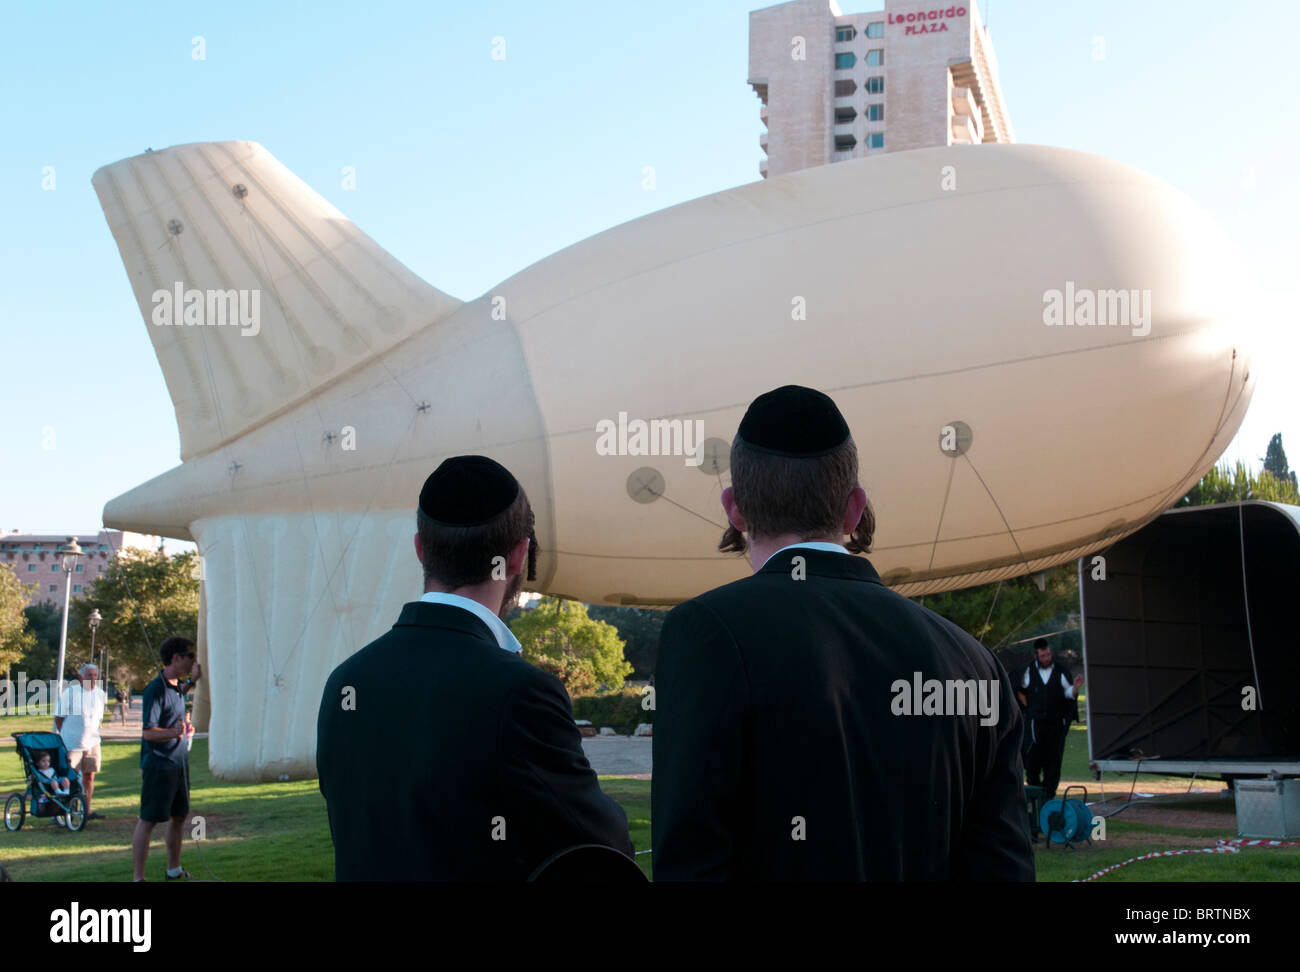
(938, 14)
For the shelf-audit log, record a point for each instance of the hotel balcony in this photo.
(964, 131)
(963, 102)
(967, 119)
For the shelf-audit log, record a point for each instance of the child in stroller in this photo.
(46, 772)
(53, 786)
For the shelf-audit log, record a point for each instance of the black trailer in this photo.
(1191, 647)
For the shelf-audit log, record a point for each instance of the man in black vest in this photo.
(797, 736)
(443, 755)
(1049, 698)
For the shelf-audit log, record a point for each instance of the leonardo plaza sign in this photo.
(927, 21)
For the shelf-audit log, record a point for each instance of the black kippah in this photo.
(793, 421)
(468, 491)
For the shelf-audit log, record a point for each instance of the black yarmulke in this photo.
(468, 491)
(793, 421)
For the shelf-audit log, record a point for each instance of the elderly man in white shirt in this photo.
(77, 718)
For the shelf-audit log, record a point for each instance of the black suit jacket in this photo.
(453, 741)
(774, 719)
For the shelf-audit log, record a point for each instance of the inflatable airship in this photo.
(1037, 350)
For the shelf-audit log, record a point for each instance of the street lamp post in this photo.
(95, 618)
(69, 552)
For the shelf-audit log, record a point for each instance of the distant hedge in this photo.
(622, 711)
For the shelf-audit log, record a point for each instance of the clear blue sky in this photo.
(469, 169)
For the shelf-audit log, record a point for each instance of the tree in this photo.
(1275, 461)
(144, 597)
(639, 628)
(560, 637)
(45, 621)
(15, 637)
(1231, 484)
(1010, 610)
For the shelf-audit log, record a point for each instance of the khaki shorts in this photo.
(85, 760)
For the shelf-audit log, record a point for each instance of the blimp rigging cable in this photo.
(952, 468)
(1245, 594)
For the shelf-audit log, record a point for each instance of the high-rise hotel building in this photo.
(914, 75)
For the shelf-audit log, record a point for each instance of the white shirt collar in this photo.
(813, 545)
(505, 637)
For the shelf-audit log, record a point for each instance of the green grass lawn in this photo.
(1249, 864)
(255, 831)
(279, 831)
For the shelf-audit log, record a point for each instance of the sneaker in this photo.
(94, 815)
(178, 877)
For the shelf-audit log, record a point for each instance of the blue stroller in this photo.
(41, 798)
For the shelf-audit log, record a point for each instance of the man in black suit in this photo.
(1050, 702)
(442, 753)
(810, 723)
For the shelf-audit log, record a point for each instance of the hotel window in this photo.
(845, 60)
(845, 34)
(876, 30)
(845, 88)
(875, 85)
(875, 112)
(844, 115)
(31, 568)
(53, 588)
(844, 142)
(877, 140)
(76, 588)
(875, 58)
(54, 568)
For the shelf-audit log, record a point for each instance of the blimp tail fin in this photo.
(255, 290)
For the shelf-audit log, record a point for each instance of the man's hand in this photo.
(1078, 681)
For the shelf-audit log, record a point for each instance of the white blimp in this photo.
(1037, 351)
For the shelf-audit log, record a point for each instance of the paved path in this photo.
(619, 755)
(113, 731)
